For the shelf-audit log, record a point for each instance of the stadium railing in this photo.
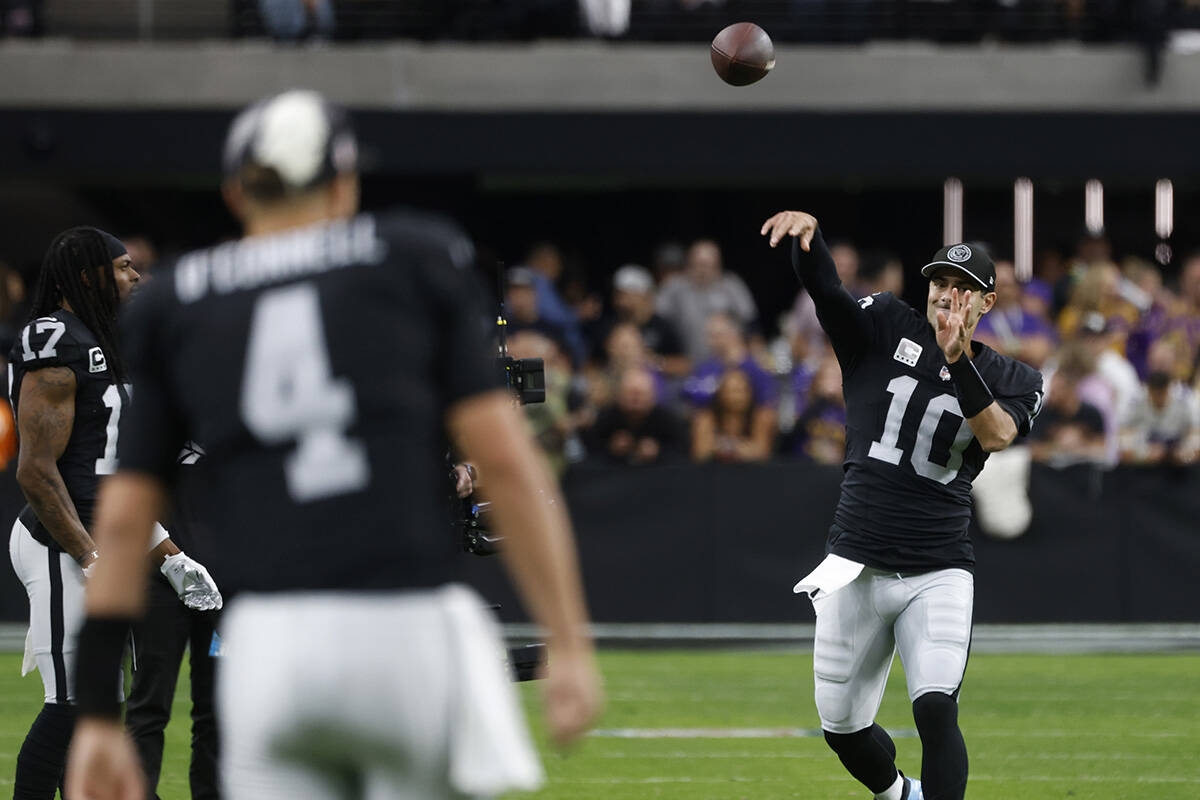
(820, 21)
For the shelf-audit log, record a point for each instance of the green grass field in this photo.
(1103, 727)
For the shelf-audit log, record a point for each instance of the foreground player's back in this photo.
(315, 366)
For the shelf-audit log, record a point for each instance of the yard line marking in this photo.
(1057, 734)
(817, 733)
(1019, 779)
(898, 733)
(725, 733)
(822, 754)
(1009, 779)
(687, 779)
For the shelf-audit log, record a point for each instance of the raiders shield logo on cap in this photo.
(959, 253)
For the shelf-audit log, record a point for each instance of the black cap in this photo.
(116, 248)
(304, 138)
(970, 259)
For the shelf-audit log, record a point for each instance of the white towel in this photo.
(830, 575)
(490, 748)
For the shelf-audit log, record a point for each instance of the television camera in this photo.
(526, 378)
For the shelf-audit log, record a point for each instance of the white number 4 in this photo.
(289, 393)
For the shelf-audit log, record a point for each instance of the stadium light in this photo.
(952, 211)
(1023, 229)
(1164, 208)
(1093, 207)
(1164, 219)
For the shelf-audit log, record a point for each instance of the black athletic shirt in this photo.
(62, 340)
(910, 455)
(316, 366)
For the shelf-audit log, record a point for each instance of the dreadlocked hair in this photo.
(73, 253)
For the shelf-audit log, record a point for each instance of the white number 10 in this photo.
(885, 449)
(288, 392)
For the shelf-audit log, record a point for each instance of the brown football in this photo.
(742, 54)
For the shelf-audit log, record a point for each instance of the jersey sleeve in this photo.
(50, 342)
(1019, 392)
(464, 364)
(152, 430)
(846, 321)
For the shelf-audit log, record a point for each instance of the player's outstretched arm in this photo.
(539, 551)
(45, 422)
(844, 320)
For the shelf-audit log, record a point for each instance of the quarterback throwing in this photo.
(925, 404)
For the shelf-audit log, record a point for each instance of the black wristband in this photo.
(973, 394)
(97, 665)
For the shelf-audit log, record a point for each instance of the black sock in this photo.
(869, 755)
(943, 751)
(43, 756)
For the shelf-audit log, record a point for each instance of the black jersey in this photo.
(910, 455)
(316, 366)
(62, 340)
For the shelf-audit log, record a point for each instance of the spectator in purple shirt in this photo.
(729, 351)
(1185, 325)
(732, 429)
(1009, 328)
(820, 432)
(1158, 308)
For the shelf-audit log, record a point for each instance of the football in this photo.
(742, 54)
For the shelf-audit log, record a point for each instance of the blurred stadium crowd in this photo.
(787, 20)
(676, 363)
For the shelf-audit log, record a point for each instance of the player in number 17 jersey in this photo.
(67, 387)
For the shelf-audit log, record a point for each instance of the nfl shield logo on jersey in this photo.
(96, 362)
(907, 352)
(945, 373)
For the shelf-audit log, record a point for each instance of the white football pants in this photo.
(55, 585)
(927, 617)
(402, 695)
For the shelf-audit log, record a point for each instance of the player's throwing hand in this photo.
(791, 223)
(953, 325)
